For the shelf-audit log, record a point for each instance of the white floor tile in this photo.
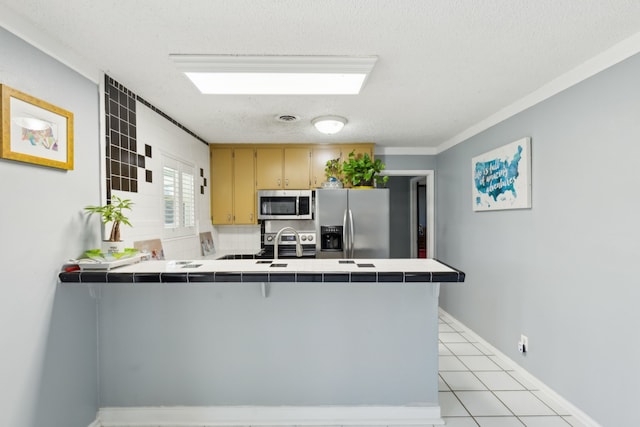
(552, 403)
(443, 327)
(486, 351)
(463, 349)
(443, 350)
(446, 337)
(498, 380)
(524, 403)
(574, 422)
(469, 337)
(479, 363)
(442, 386)
(450, 406)
(499, 422)
(502, 363)
(459, 422)
(478, 388)
(544, 422)
(482, 403)
(522, 380)
(464, 380)
(451, 363)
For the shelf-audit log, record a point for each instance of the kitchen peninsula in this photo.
(269, 342)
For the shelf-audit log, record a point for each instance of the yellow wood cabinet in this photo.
(244, 191)
(297, 162)
(221, 185)
(282, 168)
(357, 148)
(237, 171)
(269, 168)
(233, 193)
(319, 158)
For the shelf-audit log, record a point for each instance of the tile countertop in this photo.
(281, 270)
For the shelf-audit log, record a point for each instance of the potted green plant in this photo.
(113, 213)
(333, 171)
(362, 171)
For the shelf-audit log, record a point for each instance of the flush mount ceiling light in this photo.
(276, 75)
(329, 124)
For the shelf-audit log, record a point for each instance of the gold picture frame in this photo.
(34, 131)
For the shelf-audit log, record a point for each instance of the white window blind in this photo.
(179, 198)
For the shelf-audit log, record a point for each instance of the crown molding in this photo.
(589, 68)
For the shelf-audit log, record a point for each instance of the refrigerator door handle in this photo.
(352, 235)
(345, 240)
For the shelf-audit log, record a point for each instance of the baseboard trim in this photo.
(574, 411)
(271, 416)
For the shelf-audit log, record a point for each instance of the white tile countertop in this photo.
(280, 270)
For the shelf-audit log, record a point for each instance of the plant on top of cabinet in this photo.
(362, 171)
(333, 171)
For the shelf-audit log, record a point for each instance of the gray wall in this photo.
(48, 369)
(407, 162)
(306, 344)
(562, 272)
(399, 216)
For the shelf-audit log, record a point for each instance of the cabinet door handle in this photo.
(279, 182)
(286, 182)
(229, 218)
(251, 217)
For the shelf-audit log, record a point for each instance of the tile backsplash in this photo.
(240, 238)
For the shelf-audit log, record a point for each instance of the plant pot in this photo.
(364, 187)
(112, 247)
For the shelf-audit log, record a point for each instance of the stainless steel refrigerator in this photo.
(352, 223)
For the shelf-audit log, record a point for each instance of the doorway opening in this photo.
(421, 211)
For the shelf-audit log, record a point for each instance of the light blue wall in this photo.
(47, 334)
(408, 162)
(563, 272)
(306, 344)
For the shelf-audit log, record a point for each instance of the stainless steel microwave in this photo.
(285, 204)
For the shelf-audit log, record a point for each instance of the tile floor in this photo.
(477, 388)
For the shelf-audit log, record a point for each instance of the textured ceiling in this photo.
(443, 65)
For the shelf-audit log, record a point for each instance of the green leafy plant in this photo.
(333, 169)
(361, 170)
(112, 212)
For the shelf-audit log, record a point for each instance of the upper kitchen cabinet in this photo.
(232, 191)
(282, 168)
(244, 190)
(221, 185)
(319, 158)
(322, 153)
(357, 148)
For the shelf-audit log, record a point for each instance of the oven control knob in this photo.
(269, 238)
(303, 238)
(310, 238)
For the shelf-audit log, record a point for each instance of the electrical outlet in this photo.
(523, 344)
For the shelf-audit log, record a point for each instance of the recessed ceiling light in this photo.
(276, 75)
(329, 124)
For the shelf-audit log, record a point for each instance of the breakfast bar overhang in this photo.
(281, 342)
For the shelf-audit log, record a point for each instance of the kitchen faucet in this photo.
(277, 240)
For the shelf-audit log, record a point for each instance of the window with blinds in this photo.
(179, 198)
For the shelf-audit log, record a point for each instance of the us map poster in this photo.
(502, 177)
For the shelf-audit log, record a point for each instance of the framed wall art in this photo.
(35, 131)
(502, 177)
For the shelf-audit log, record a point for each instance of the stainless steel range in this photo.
(305, 230)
